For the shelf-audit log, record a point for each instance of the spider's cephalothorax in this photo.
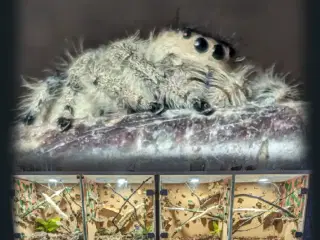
(190, 45)
(172, 69)
(230, 81)
(189, 49)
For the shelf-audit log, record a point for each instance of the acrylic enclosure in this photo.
(269, 206)
(47, 207)
(219, 207)
(119, 205)
(195, 207)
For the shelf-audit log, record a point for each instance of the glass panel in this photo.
(47, 207)
(195, 207)
(268, 206)
(119, 206)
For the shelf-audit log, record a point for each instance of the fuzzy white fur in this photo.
(134, 73)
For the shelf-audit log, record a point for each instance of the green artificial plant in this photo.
(216, 229)
(50, 225)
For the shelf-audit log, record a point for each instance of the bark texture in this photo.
(270, 138)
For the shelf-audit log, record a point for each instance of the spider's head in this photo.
(190, 45)
(216, 61)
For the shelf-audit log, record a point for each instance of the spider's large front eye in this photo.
(201, 45)
(218, 52)
(186, 33)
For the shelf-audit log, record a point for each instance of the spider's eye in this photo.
(201, 45)
(186, 33)
(218, 52)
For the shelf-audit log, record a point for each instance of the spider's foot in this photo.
(29, 119)
(157, 108)
(203, 108)
(64, 123)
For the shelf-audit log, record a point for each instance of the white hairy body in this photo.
(133, 74)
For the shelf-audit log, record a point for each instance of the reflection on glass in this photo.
(195, 207)
(119, 207)
(47, 207)
(269, 206)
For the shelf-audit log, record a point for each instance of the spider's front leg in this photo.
(143, 81)
(197, 78)
(65, 122)
(203, 107)
(40, 99)
(67, 109)
(147, 69)
(141, 99)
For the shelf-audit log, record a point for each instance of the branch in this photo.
(257, 138)
(204, 201)
(249, 210)
(65, 228)
(55, 206)
(183, 209)
(234, 230)
(192, 191)
(127, 216)
(195, 218)
(126, 200)
(41, 203)
(134, 208)
(70, 206)
(266, 201)
(71, 199)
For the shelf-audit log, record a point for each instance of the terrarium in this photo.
(47, 207)
(269, 206)
(119, 207)
(176, 207)
(195, 207)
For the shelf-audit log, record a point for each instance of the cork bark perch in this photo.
(270, 138)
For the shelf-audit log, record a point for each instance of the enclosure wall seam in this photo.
(84, 219)
(306, 202)
(230, 222)
(157, 206)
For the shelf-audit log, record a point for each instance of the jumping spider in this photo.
(171, 70)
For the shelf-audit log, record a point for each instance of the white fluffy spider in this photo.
(170, 70)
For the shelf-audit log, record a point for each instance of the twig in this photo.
(70, 206)
(276, 187)
(127, 216)
(74, 201)
(184, 209)
(114, 218)
(68, 230)
(245, 230)
(196, 217)
(259, 214)
(207, 199)
(192, 191)
(55, 206)
(41, 203)
(266, 201)
(135, 210)
(250, 209)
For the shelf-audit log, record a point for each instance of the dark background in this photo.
(268, 31)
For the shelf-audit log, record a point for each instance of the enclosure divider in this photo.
(304, 211)
(308, 211)
(230, 223)
(157, 206)
(84, 220)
